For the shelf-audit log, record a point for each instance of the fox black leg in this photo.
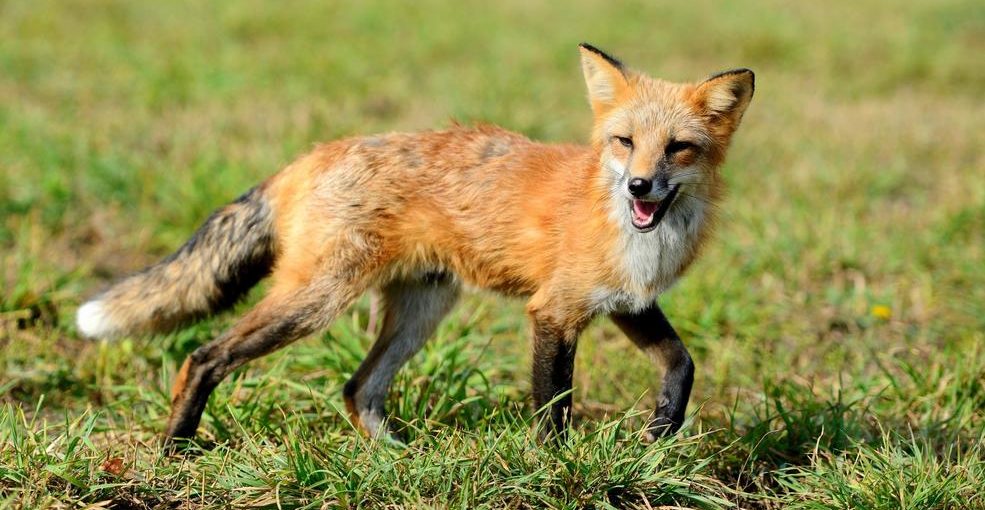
(553, 370)
(652, 333)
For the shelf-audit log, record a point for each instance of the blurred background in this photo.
(839, 307)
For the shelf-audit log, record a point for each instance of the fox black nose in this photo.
(639, 187)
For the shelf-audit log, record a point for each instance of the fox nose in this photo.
(639, 187)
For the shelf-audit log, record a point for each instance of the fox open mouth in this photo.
(647, 215)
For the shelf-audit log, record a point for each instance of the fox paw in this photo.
(661, 426)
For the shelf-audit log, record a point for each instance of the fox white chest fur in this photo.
(652, 262)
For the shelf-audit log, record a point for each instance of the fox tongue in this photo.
(643, 211)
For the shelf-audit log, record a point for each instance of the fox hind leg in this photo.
(285, 315)
(414, 308)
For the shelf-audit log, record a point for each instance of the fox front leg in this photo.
(555, 337)
(652, 333)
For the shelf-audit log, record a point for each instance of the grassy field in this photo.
(837, 320)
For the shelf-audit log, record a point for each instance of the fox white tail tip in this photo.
(92, 320)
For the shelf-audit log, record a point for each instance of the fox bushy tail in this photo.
(230, 253)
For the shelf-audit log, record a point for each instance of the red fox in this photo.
(580, 231)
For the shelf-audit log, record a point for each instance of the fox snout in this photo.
(639, 187)
(655, 187)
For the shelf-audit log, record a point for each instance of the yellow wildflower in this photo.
(882, 312)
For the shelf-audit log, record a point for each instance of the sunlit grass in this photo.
(836, 320)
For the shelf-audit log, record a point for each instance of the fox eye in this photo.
(676, 146)
(626, 141)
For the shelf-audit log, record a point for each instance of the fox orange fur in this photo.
(580, 231)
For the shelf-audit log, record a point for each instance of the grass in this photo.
(837, 320)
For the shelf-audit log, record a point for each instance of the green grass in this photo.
(855, 184)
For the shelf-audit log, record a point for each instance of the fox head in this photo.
(657, 139)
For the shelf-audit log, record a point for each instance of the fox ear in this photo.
(605, 77)
(727, 94)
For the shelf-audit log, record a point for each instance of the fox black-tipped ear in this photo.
(605, 77)
(727, 94)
